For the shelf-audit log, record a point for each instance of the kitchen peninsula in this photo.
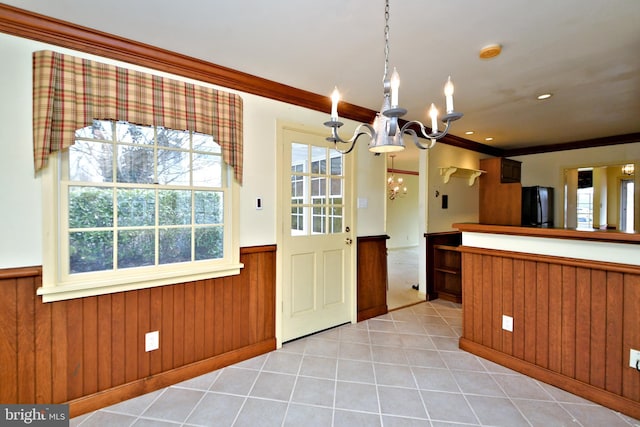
(558, 305)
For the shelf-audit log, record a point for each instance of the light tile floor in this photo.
(402, 272)
(400, 369)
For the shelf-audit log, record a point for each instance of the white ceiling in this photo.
(585, 52)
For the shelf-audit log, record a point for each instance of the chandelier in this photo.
(395, 186)
(628, 169)
(385, 134)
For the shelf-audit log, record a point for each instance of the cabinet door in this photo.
(510, 171)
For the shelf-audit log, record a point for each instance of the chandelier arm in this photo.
(406, 129)
(335, 138)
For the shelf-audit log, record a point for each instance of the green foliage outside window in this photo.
(152, 213)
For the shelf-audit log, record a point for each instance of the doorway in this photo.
(317, 254)
(402, 224)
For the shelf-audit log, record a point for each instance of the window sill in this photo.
(61, 292)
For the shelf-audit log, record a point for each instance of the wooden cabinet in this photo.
(500, 192)
(372, 276)
(447, 272)
(444, 266)
(510, 170)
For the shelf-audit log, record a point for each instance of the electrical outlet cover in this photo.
(151, 341)
(507, 323)
(634, 358)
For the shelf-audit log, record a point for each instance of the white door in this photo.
(317, 250)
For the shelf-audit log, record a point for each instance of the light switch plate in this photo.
(507, 323)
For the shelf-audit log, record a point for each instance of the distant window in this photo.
(585, 207)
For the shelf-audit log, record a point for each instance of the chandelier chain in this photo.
(386, 40)
(386, 133)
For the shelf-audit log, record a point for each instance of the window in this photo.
(141, 206)
(133, 206)
(626, 205)
(317, 180)
(585, 199)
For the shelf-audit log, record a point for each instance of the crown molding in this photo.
(30, 25)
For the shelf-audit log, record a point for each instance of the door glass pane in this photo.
(298, 215)
(318, 160)
(317, 186)
(336, 220)
(318, 220)
(336, 162)
(299, 157)
(318, 190)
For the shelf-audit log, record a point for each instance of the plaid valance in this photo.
(69, 93)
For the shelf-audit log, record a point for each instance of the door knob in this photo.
(348, 241)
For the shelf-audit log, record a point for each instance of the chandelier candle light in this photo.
(385, 134)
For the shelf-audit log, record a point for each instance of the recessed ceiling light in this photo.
(469, 132)
(488, 139)
(545, 96)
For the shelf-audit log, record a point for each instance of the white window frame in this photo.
(58, 286)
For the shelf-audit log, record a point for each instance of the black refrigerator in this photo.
(537, 206)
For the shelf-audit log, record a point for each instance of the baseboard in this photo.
(133, 389)
(587, 391)
(372, 312)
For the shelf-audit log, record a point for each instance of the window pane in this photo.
(336, 187)
(203, 142)
(136, 248)
(175, 245)
(207, 170)
(90, 251)
(318, 189)
(136, 207)
(208, 207)
(135, 164)
(318, 160)
(318, 220)
(298, 226)
(297, 186)
(299, 157)
(128, 132)
(175, 207)
(90, 207)
(91, 161)
(209, 243)
(336, 220)
(173, 167)
(100, 129)
(336, 163)
(173, 138)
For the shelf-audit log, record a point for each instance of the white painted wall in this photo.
(20, 191)
(463, 199)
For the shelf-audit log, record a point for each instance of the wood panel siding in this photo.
(372, 276)
(89, 352)
(574, 322)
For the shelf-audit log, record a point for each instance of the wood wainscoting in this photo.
(574, 321)
(89, 352)
(372, 276)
